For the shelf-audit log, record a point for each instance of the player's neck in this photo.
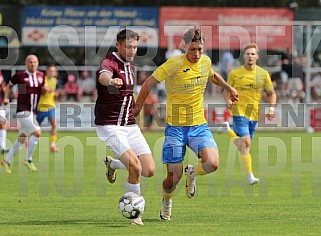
(31, 72)
(249, 67)
(121, 57)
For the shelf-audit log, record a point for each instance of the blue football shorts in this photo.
(50, 114)
(178, 137)
(242, 126)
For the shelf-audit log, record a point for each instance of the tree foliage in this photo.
(217, 3)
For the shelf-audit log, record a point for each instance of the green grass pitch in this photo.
(69, 194)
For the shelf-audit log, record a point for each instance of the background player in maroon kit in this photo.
(30, 85)
(3, 131)
(114, 117)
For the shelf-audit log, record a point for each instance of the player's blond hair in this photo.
(251, 45)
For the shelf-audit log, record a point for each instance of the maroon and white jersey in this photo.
(114, 106)
(29, 89)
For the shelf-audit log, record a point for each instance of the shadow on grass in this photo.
(67, 222)
(154, 220)
(120, 224)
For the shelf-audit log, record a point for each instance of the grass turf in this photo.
(69, 194)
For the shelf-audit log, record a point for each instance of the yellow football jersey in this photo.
(47, 100)
(185, 83)
(250, 84)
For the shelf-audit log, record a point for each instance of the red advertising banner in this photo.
(228, 28)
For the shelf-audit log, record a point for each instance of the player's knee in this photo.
(2, 123)
(211, 165)
(248, 142)
(37, 133)
(169, 184)
(135, 168)
(149, 171)
(214, 166)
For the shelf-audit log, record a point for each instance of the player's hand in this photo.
(234, 94)
(5, 101)
(116, 82)
(46, 88)
(229, 104)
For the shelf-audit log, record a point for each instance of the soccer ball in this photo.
(131, 205)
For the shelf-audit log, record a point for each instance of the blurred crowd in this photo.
(289, 80)
(74, 87)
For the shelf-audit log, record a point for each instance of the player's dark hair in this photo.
(127, 34)
(193, 35)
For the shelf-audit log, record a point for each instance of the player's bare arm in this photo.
(6, 94)
(149, 83)
(45, 89)
(106, 79)
(228, 100)
(272, 100)
(218, 80)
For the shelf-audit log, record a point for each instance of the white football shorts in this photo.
(27, 123)
(119, 139)
(3, 114)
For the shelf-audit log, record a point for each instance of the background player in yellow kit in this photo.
(47, 106)
(250, 80)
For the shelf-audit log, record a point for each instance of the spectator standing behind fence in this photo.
(60, 90)
(30, 86)
(47, 105)
(141, 77)
(316, 87)
(294, 78)
(226, 65)
(3, 131)
(71, 88)
(86, 86)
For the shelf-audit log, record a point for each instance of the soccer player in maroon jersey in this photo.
(30, 86)
(3, 131)
(116, 125)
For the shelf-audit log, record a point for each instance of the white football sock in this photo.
(13, 151)
(135, 188)
(3, 139)
(167, 202)
(32, 144)
(117, 164)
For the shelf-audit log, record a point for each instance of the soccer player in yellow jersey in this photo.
(185, 79)
(47, 106)
(250, 80)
